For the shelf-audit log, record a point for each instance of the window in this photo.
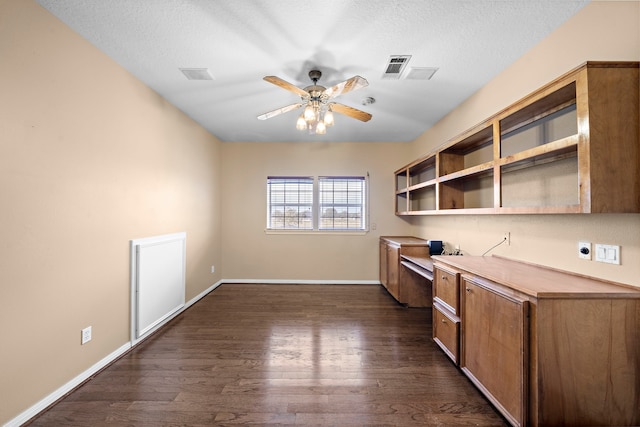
(290, 202)
(341, 203)
(328, 203)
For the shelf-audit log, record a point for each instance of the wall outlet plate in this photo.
(584, 250)
(86, 335)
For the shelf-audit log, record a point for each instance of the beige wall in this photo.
(89, 159)
(603, 30)
(250, 253)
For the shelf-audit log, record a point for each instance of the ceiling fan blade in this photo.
(279, 111)
(354, 83)
(350, 111)
(286, 85)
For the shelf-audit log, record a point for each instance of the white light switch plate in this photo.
(608, 253)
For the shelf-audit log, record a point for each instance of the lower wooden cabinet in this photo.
(389, 267)
(494, 356)
(391, 250)
(587, 358)
(546, 347)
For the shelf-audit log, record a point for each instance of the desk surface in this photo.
(420, 265)
(405, 240)
(423, 262)
(538, 281)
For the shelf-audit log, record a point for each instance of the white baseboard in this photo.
(200, 296)
(44, 403)
(301, 282)
(79, 379)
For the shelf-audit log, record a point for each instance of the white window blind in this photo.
(330, 203)
(341, 203)
(290, 203)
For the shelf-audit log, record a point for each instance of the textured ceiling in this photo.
(241, 41)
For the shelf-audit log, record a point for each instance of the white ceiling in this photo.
(241, 41)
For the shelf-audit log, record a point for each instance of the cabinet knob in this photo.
(444, 321)
(444, 277)
(468, 289)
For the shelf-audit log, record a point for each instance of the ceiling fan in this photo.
(318, 111)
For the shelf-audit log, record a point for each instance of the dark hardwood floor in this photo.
(339, 355)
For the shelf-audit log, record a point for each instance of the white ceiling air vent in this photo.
(396, 66)
(197, 73)
(421, 73)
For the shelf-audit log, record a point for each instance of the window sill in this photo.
(319, 232)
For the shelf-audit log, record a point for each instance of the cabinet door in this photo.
(383, 263)
(393, 270)
(494, 349)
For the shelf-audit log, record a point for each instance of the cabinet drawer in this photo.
(446, 331)
(446, 289)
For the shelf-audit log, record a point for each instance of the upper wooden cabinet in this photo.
(573, 146)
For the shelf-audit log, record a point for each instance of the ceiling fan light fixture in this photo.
(321, 129)
(317, 114)
(309, 113)
(328, 118)
(301, 124)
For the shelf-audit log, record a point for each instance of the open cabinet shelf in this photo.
(572, 146)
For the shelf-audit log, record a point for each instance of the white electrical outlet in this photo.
(584, 250)
(213, 269)
(507, 237)
(86, 335)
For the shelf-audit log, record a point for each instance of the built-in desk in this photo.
(416, 277)
(547, 347)
(402, 285)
